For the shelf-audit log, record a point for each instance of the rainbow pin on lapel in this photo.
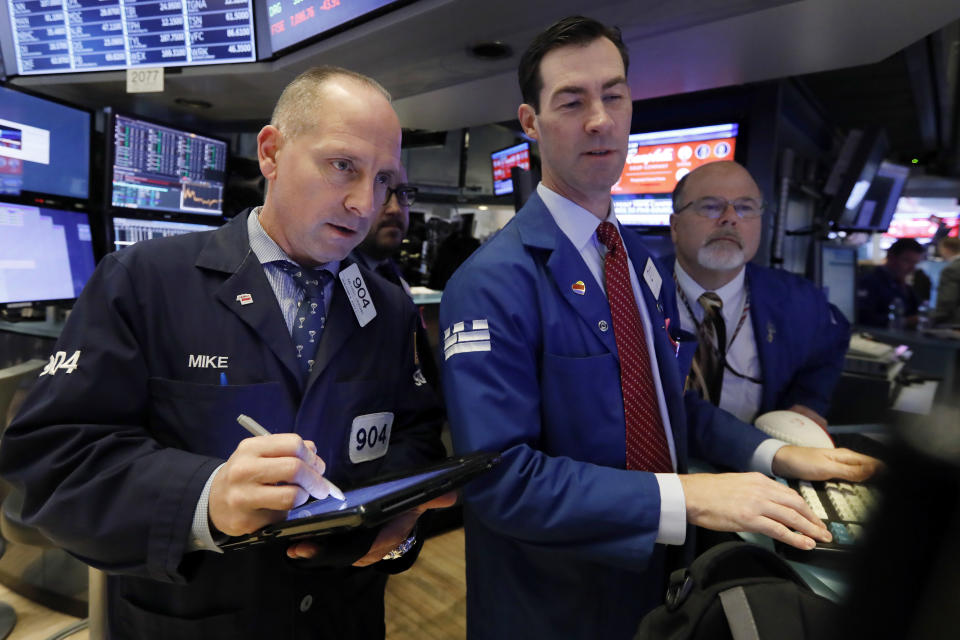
(579, 288)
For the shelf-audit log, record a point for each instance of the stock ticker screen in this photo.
(159, 168)
(61, 36)
(293, 21)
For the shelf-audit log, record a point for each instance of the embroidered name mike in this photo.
(201, 361)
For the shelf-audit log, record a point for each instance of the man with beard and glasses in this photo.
(376, 252)
(781, 344)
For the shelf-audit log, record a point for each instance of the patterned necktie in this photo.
(646, 441)
(707, 369)
(311, 313)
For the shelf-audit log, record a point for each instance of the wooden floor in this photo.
(428, 602)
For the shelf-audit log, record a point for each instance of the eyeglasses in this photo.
(712, 207)
(406, 194)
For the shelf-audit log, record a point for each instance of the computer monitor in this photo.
(837, 277)
(852, 176)
(292, 23)
(503, 160)
(656, 160)
(39, 37)
(44, 146)
(46, 255)
(128, 231)
(155, 167)
(881, 200)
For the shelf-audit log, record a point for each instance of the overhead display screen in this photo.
(293, 21)
(61, 36)
(503, 161)
(657, 160)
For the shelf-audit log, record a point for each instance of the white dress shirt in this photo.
(740, 396)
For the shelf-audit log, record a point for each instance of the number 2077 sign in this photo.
(145, 80)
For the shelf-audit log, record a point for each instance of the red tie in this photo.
(647, 448)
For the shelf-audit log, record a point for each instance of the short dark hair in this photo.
(904, 245)
(568, 31)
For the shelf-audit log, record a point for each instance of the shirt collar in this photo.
(731, 293)
(578, 224)
(267, 250)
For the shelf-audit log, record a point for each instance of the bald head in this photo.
(301, 101)
(713, 250)
(723, 168)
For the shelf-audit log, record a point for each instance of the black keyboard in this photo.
(843, 507)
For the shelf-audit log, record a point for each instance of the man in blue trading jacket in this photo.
(129, 453)
(784, 343)
(886, 286)
(566, 537)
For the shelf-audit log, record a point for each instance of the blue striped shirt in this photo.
(288, 293)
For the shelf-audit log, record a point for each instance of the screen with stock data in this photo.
(159, 168)
(63, 36)
(294, 21)
(128, 231)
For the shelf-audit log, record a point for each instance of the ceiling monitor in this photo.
(155, 167)
(46, 255)
(503, 160)
(656, 160)
(128, 231)
(852, 175)
(881, 200)
(44, 146)
(54, 36)
(286, 24)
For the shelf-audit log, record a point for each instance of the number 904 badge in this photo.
(370, 436)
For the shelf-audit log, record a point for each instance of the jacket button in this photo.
(603, 326)
(306, 603)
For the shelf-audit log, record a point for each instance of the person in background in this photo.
(884, 291)
(947, 310)
(561, 350)
(451, 253)
(376, 252)
(783, 342)
(129, 455)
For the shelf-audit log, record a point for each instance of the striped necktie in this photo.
(707, 369)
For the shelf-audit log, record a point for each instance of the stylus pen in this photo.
(254, 427)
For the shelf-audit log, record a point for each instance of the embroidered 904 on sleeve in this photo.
(468, 336)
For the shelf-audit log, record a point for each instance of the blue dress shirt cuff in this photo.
(762, 459)
(200, 537)
(673, 510)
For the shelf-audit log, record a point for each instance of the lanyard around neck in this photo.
(723, 354)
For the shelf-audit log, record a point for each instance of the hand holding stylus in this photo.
(263, 479)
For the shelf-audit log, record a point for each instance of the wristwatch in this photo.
(402, 548)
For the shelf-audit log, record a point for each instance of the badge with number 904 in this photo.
(370, 436)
